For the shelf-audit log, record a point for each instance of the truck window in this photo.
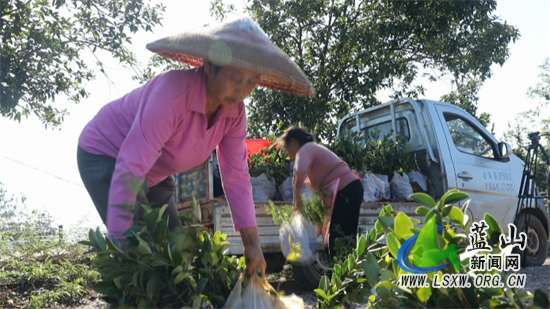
(467, 138)
(401, 126)
(347, 125)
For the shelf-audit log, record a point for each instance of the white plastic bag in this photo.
(303, 232)
(260, 294)
(262, 189)
(400, 186)
(373, 188)
(386, 188)
(418, 181)
(287, 190)
(306, 192)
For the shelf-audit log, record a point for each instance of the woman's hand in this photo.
(252, 250)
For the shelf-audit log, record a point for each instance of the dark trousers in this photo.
(345, 216)
(96, 172)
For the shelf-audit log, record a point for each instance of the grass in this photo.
(43, 272)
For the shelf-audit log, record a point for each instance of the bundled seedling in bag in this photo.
(299, 231)
(280, 214)
(299, 228)
(384, 186)
(313, 209)
(400, 186)
(257, 293)
(374, 188)
(263, 189)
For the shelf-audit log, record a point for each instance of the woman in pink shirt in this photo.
(129, 151)
(329, 176)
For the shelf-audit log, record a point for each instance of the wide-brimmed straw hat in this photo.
(241, 43)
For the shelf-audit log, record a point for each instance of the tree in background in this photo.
(43, 43)
(9, 204)
(531, 121)
(542, 91)
(350, 50)
(15, 215)
(464, 94)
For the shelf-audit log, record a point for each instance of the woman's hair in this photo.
(299, 134)
(215, 68)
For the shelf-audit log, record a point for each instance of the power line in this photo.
(43, 171)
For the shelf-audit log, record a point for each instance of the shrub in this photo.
(373, 153)
(371, 271)
(43, 272)
(272, 161)
(159, 268)
(313, 210)
(351, 148)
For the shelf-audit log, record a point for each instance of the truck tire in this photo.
(536, 250)
(309, 275)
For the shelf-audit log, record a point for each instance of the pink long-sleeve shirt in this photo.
(322, 166)
(160, 129)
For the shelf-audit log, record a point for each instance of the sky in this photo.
(41, 164)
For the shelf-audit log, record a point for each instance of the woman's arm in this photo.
(236, 184)
(301, 165)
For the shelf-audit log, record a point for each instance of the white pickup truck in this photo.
(451, 148)
(454, 150)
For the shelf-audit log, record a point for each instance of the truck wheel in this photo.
(310, 275)
(536, 249)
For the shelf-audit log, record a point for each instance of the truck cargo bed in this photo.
(269, 231)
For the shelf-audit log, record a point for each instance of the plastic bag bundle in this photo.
(287, 190)
(418, 181)
(400, 186)
(259, 294)
(386, 188)
(303, 232)
(373, 188)
(262, 189)
(306, 192)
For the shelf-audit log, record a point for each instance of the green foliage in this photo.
(280, 214)
(313, 209)
(10, 206)
(372, 266)
(386, 156)
(351, 147)
(62, 281)
(517, 135)
(531, 121)
(465, 96)
(542, 89)
(43, 43)
(343, 246)
(159, 268)
(43, 272)
(353, 279)
(158, 64)
(352, 49)
(379, 155)
(17, 223)
(272, 161)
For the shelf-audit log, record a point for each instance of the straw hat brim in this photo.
(277, 70)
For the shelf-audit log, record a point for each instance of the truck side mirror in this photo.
(504, 150)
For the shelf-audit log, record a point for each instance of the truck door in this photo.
(477, 169)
